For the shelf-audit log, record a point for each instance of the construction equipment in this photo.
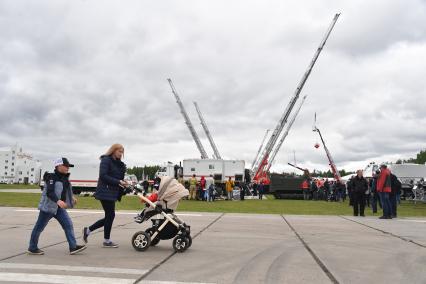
(305, 171)
(278, 147)
(334, 170)
(206, 130)
(259, 172)
(188, 122)
(255, 161)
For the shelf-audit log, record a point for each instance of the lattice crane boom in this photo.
(188, 122)
(207, 131)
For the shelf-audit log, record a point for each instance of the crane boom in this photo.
(188, 122)
(280, 143)
(334, 170)
(206, 130)
(283, 120)
(260, 149)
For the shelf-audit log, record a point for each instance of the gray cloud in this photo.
(78, 76)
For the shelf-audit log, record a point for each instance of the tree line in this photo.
(419, 159)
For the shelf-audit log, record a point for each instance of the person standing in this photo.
(109, 190)
(305, 189)
(395, 191)
(359, 185)
(374, 195)
(261, 190)
(384, 189)
(229, 186)
(56, 197)
(192, 187)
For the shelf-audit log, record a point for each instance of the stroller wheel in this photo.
(180, 243)
(141, 241)
(189, 239)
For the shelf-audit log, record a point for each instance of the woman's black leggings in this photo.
(109, 208)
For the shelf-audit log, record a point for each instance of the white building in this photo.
(17, 166)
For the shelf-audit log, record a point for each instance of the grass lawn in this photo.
(18, 186)
(269, 206)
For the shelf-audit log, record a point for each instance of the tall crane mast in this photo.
(208, 134)
(188, 122)
(280, 143)
(255, 161)
(258, 171)
(333, 167)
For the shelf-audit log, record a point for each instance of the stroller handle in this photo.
(146, 200)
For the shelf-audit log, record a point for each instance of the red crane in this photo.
(260, 171)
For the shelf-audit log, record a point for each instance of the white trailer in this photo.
(220, 170)
(83, 177)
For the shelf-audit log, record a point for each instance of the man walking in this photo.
(359, 185)
(55, 199)
(384, 189)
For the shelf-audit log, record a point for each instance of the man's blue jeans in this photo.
(386, 204)
(42, 221)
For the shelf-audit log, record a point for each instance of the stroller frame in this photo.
(142, 240)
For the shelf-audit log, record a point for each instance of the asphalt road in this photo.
(227, 248)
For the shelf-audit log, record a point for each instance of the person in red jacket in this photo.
(384, 189)
(305, 188)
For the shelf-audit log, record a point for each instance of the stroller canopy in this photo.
(170, 192)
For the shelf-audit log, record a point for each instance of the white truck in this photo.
(220, 170)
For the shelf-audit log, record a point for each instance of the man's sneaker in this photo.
(110, 245)
(77, 249)
(85, 234)
(35, 252)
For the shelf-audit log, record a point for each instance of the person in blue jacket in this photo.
(110, 188)
(55, 199)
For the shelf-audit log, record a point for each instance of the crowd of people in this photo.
(382, 190)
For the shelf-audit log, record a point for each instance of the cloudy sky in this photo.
(77, 76)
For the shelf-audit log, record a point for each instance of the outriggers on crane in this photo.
(259, 172)
(334, 170)
(208, 134)
(188, 122)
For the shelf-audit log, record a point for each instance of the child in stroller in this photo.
(166, 225)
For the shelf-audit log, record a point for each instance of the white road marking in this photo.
(60, 279)
(72, 268)
(101, 212)
(416, 221)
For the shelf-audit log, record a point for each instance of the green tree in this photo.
(140, 171)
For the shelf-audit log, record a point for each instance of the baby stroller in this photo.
(165, 224)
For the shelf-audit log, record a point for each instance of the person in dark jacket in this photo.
(359, 186)
(110, 189)
(55, 199)
(395, 190)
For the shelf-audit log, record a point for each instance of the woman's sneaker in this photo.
(35, 252)
(77, 249)
(85, 234)
(110, 245)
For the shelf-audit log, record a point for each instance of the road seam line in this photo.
(311, 252)
(140, 279)
(385, 232)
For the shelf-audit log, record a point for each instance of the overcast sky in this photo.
(77, 76)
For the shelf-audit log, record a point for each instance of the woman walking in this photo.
(109, 190)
